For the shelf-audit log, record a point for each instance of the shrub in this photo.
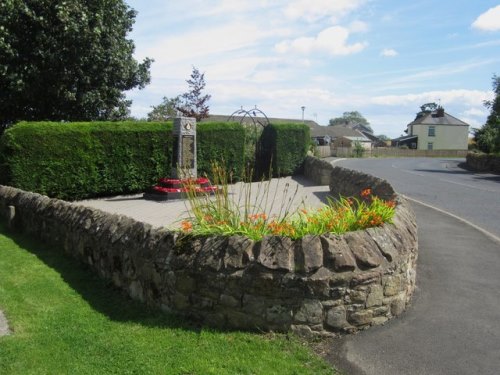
(283, 147)
(220, 142)
(80, 160)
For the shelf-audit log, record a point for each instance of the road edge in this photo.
(491, 236)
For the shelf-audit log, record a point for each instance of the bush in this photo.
(80, 160)
(284, 148)
(220, 142)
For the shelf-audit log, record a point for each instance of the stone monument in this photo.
(184, 156)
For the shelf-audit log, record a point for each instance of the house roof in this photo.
(359, 139)
(262, 120)
(333, 131)
(432, 118)
(405, 138)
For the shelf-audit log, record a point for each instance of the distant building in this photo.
(435, 130)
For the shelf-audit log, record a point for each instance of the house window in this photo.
(430, 146)
(432, 131)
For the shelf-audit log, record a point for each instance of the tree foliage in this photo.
(166, 110)
(194, 102)
(428, 107)
(352, 118)
(487, 138)
(67, 60)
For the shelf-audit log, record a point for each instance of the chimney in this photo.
(440, 112)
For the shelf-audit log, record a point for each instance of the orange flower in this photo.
(186, 226)
(390, 204)
(366, 192)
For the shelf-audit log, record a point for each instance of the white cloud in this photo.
(489, 20)
(313, 10)
(462, 97)
(358, 27)
(389, 52)
(477, 112)
(332, 40)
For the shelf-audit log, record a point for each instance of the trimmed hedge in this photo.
(284, 148)
(81, 160)
(221, 142)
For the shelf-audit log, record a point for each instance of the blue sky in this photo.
(383, 58)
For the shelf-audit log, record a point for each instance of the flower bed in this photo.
(172, 188)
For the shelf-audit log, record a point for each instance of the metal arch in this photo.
(252, 114)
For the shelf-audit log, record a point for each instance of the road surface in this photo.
(453, 324)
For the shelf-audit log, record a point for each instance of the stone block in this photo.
(229, 301)
(364, 249)
(336, 318)
(319, 282)
(337, 254)
(398, 305)
(366, 278)
(376, 296)
(392, 285)
(180, 302)
(360, 318)
(280, 315)
(308, 254)
(276, 253)
(384, 242)
(238, 252)
(311, 312)
(212, 254)
(379, 320)
(357, 296)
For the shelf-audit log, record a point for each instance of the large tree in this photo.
(488, 136)
(67, 60)
(194, 102)
(165, 110)
(352, 118)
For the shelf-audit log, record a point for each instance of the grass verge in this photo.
(67, 321)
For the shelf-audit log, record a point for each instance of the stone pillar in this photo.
(184, 163)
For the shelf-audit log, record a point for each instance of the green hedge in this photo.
(221, 142)
(80, 160)
(284, 148)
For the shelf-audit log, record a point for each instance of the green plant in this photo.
(221, 141)
(358, 149)
(65, 320)
(253, 215)
(79, 160)
(67, 60)
(283, 147)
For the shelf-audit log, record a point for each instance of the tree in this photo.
(353, 118)
(487, 137)
(193, 103)
(383, 137)
(167, 109)
(428, 107)
(67, 60)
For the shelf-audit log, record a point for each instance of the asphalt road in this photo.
(441, 183)
(453, 324)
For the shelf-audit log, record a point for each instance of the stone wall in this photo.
(319, 285)
(483, 162)
(318, 170)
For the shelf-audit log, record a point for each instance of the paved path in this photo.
(280, 193)
(453, 325)
(4, 326)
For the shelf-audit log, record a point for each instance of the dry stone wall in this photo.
(319, 285)
(483, 162)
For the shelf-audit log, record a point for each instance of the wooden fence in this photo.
(347, 152)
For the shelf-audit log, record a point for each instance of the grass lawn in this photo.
(67, 321)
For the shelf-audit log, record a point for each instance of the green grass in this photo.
(67, 321)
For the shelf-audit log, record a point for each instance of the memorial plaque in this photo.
(188, 156)
(184, 151)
